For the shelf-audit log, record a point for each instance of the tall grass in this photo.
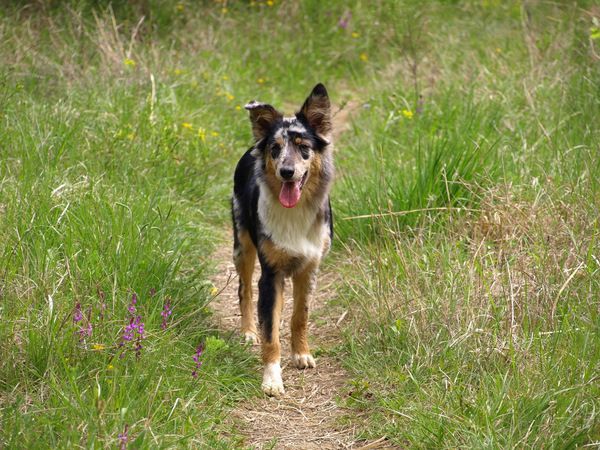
(471, 149)
(106, 194)
(473, 238)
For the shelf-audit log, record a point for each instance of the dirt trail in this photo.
(307, 416)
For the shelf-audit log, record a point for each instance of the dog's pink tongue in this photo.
(290, 194)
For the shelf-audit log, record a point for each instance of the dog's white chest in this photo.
(296, 230)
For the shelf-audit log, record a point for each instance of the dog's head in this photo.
(291, 148)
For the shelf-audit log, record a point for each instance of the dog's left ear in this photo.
(317, 110)
(262, 117)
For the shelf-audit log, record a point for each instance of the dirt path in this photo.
(307, 416)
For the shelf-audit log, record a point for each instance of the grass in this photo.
(473, 239)
(471, 152)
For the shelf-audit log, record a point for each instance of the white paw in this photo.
(303, 361)
(272, 383)
(251, 337)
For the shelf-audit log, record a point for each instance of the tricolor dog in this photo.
(281, 213)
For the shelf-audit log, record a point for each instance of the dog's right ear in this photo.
(262, 117)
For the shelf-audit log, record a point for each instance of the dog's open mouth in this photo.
(289, 196)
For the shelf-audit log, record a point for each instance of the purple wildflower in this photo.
(345, 19)
(123, 438)
(84, 328)
(77, 315)
(165, 313)
(134, 331)
(196, 359)
(131, 307)
(85, 331)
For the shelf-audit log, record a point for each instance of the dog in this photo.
(282, 213)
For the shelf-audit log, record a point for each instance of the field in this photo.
(467, 201)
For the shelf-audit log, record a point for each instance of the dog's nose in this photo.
(286, 173)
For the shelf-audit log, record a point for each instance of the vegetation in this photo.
(466, 209)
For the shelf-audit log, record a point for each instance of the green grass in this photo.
(472, 150)
(474, 279)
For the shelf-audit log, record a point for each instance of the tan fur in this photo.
(303, 286)
(271, 351)
(278, 258)
(270, 178)
(313, 183)
(244, 264)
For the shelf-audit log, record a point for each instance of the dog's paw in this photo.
(251, 337)
(272, 383)
(303, 361)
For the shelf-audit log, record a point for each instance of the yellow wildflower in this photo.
(355, 34)
(238, 108)
(224, 10)
(407, 113)
(214, 291)
(260, 81)
(178, 71)
(180, 7)
(187, 125)
(214, 133)
(229, 97)
(363, 57)
(270, 2)
(129, 62)
(97, 347)
(131, 136)
(110, 367)
(225, 77)
(202, 134)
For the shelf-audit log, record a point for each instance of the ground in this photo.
(307, 416)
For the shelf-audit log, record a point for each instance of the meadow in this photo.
(466, 214)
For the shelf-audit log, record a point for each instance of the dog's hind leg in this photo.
(304, 285)
(244, 257)
(270, 304)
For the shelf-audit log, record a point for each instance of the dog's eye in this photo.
(275, 150)
(305, 151)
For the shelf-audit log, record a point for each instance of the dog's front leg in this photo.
(270, 303)
(304, 285)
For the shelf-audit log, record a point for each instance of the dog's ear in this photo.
(262, 117)
(317, 110)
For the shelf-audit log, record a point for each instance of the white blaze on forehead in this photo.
(281, 133)
(297, 128)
